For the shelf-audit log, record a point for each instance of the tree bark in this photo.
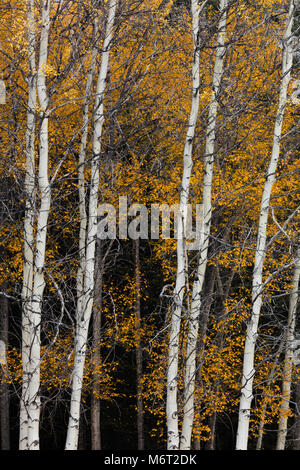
(83, 320)
(190, 367)
(288, 360)
(82, 436)
(28, 249)
(97, 312)
(209, 289)
(211, 444)
(41, 236)
(139, 351)
(81, 172)
(178, 295)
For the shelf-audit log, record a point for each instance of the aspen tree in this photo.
(28, 249)
(260, 253)
(82, 196)
(83, 319)
(81, 173)
(288, 360)
(178, 296)
(190, 366)
(41, 237)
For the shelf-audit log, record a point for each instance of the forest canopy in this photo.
(149, 221)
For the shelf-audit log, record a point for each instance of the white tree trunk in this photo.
(81, 174)
(251, 336)
(83, 321)
(41, 236)
(178, 295)
(288, 360)
(190, 366)
(28, 226)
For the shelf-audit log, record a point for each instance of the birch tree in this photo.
(81, 171)
(33, 267)
(288, 360)
(28, 223)
(41, 236)
(84, 316)
(190, 367)
(95, 404)
(260, 252)
(178, 296)
(182, 259)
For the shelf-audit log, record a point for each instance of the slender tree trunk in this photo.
(82, 435)
(197, 444)
(261, 427)
(265, 405)
(288, 360)
(139, 352)
(211, 444)
(95, 402)
(28, 250)
(97, 323)
(178, 296)
(251, 336)
(4, 387)
(97, 311)
(203, 331)
(81, 173)
(83, 319)
(41, 235)
(190, 367)
(206, 307)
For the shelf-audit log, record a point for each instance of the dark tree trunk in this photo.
(95, 398)
(139, 352)
(82, 438)
(211, 444)
(203, 328)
